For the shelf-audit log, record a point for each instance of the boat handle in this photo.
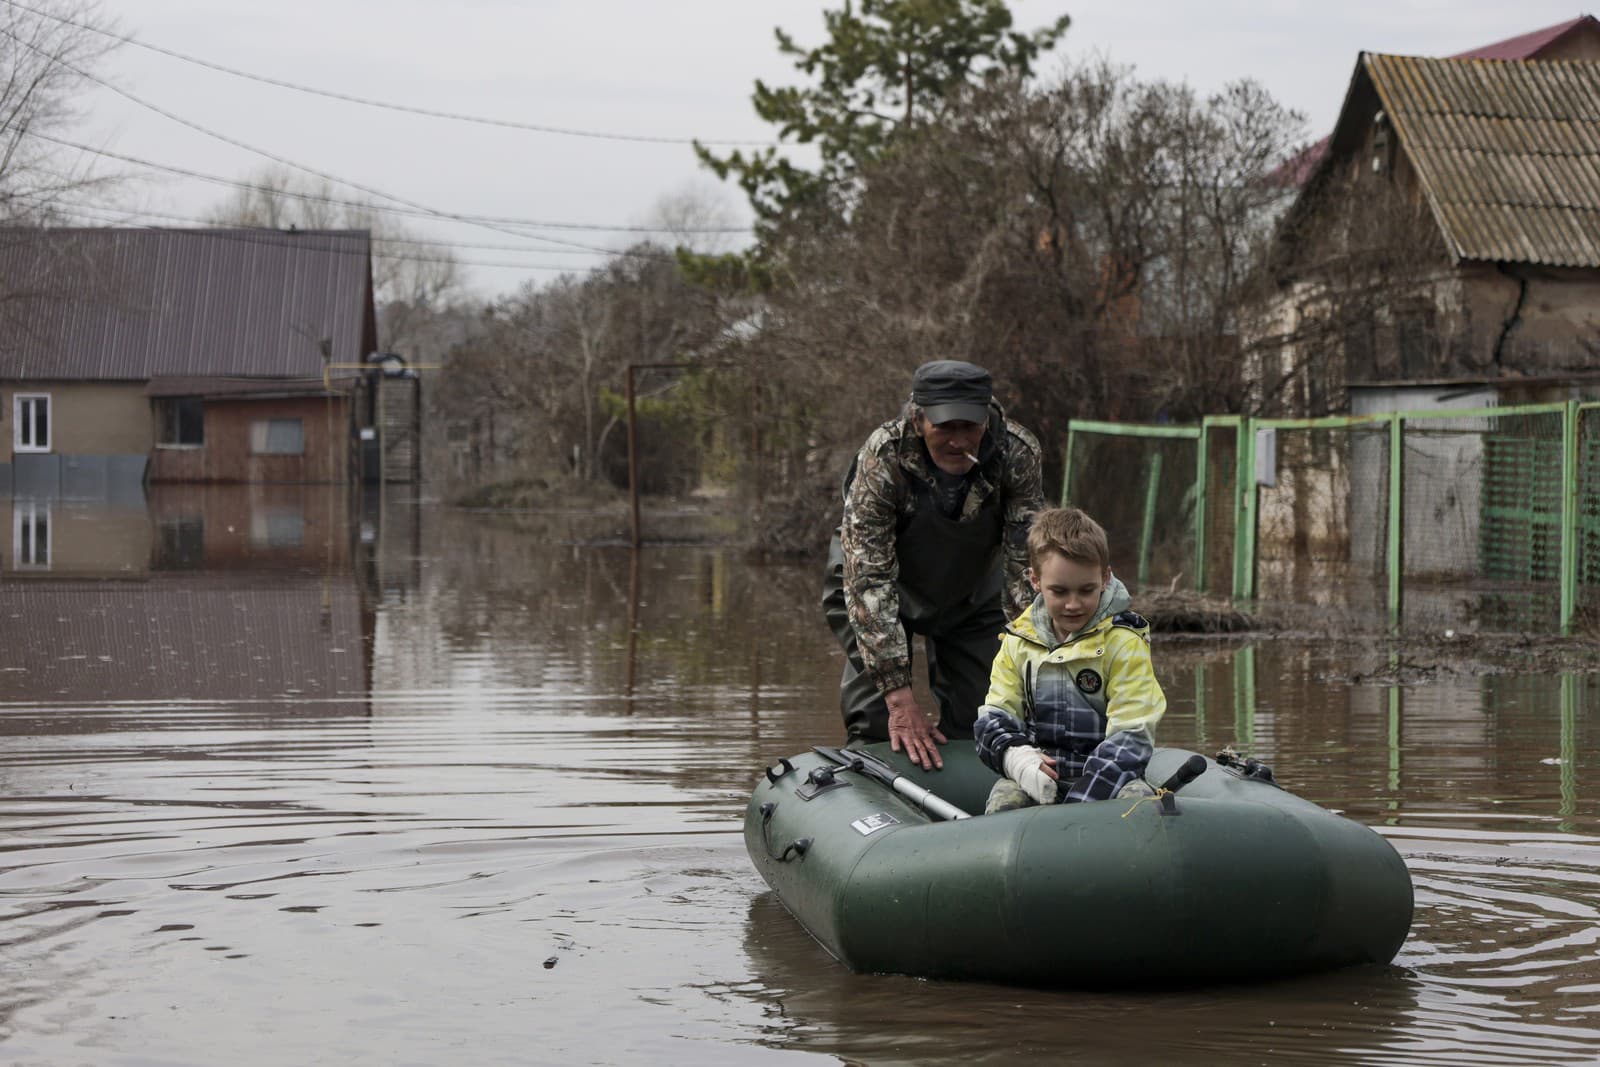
(788, 768)
(796, 848)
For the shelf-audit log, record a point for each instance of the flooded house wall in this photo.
(96, 439)
(87, 418)
(288, 439)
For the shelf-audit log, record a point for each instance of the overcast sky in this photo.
(640, 68)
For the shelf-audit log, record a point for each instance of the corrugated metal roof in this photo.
(1508, 153)
(135, 304)
(1528, 45)
(1532, 46)
(222, 388)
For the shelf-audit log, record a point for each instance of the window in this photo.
(31, 415)
(1414, 341)
(277, 528)
(277, 437)
(30, 535)
(183, 543)
(183, 422)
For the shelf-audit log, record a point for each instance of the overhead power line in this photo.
(404, 108)
(286, 239)
(418, 212)
(235, 142)
(112, 212)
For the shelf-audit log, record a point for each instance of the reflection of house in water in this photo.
(239, 593)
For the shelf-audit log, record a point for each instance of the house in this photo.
(1443, 255)
(1577, 38)
(1450, 236)
(189, 355)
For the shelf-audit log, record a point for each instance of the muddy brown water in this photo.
(411, 786)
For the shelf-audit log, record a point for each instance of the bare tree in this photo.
(414, 283)
(546, 369)
(1094, 242)
(45, 56)
(697, 217)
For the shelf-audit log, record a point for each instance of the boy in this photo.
(1072, 696)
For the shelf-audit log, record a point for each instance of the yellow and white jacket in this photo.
(1091, 701)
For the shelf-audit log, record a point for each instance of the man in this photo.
(934, 541)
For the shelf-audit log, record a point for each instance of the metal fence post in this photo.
(1152, 489)
(1396, 518)
(1569, 514)
(1066, 466)
(1244, 523)
(1200, 507)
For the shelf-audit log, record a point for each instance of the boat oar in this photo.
(871, 766)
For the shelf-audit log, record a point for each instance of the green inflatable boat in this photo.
(1228, 877)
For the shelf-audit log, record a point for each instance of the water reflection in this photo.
(348, 772)
(220, 594)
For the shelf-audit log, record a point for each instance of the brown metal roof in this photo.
(1534, 44)
(251, 388)
(1508, 153)
(135, 304)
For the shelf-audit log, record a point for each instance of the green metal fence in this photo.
(1488, 515)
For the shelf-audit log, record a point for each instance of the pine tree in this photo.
(886, 68)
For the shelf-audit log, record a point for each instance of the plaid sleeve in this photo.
(994, 732)
(1115, 762)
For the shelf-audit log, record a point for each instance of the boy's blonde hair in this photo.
(1072, 534)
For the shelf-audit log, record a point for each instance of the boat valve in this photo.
(819, 781)
(1192, 768)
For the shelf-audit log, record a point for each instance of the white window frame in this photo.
(18, 400)
(25, 516)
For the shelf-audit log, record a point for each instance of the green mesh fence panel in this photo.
(1322, 524)
(1483, 521)
(1222, 460)
(1588, 560)
(1142, 490)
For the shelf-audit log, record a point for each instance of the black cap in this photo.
(948, 389)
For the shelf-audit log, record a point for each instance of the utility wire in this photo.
(306, 238)
(367, 102)
(325, 176)
(111, 211)
(490, 222)
(420, 209)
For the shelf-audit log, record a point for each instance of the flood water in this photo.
(291, 781)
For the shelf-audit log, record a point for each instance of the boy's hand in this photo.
(1033, 771)
(910, 728)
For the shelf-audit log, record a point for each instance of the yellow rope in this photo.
(1157, 795)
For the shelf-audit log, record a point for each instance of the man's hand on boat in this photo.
(911, 732)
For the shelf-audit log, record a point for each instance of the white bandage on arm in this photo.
(1025, 766)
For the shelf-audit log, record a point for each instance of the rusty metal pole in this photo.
(633, 463)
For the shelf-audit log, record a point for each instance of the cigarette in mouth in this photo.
(970, 456)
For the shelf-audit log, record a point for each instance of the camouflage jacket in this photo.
(880, 495)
